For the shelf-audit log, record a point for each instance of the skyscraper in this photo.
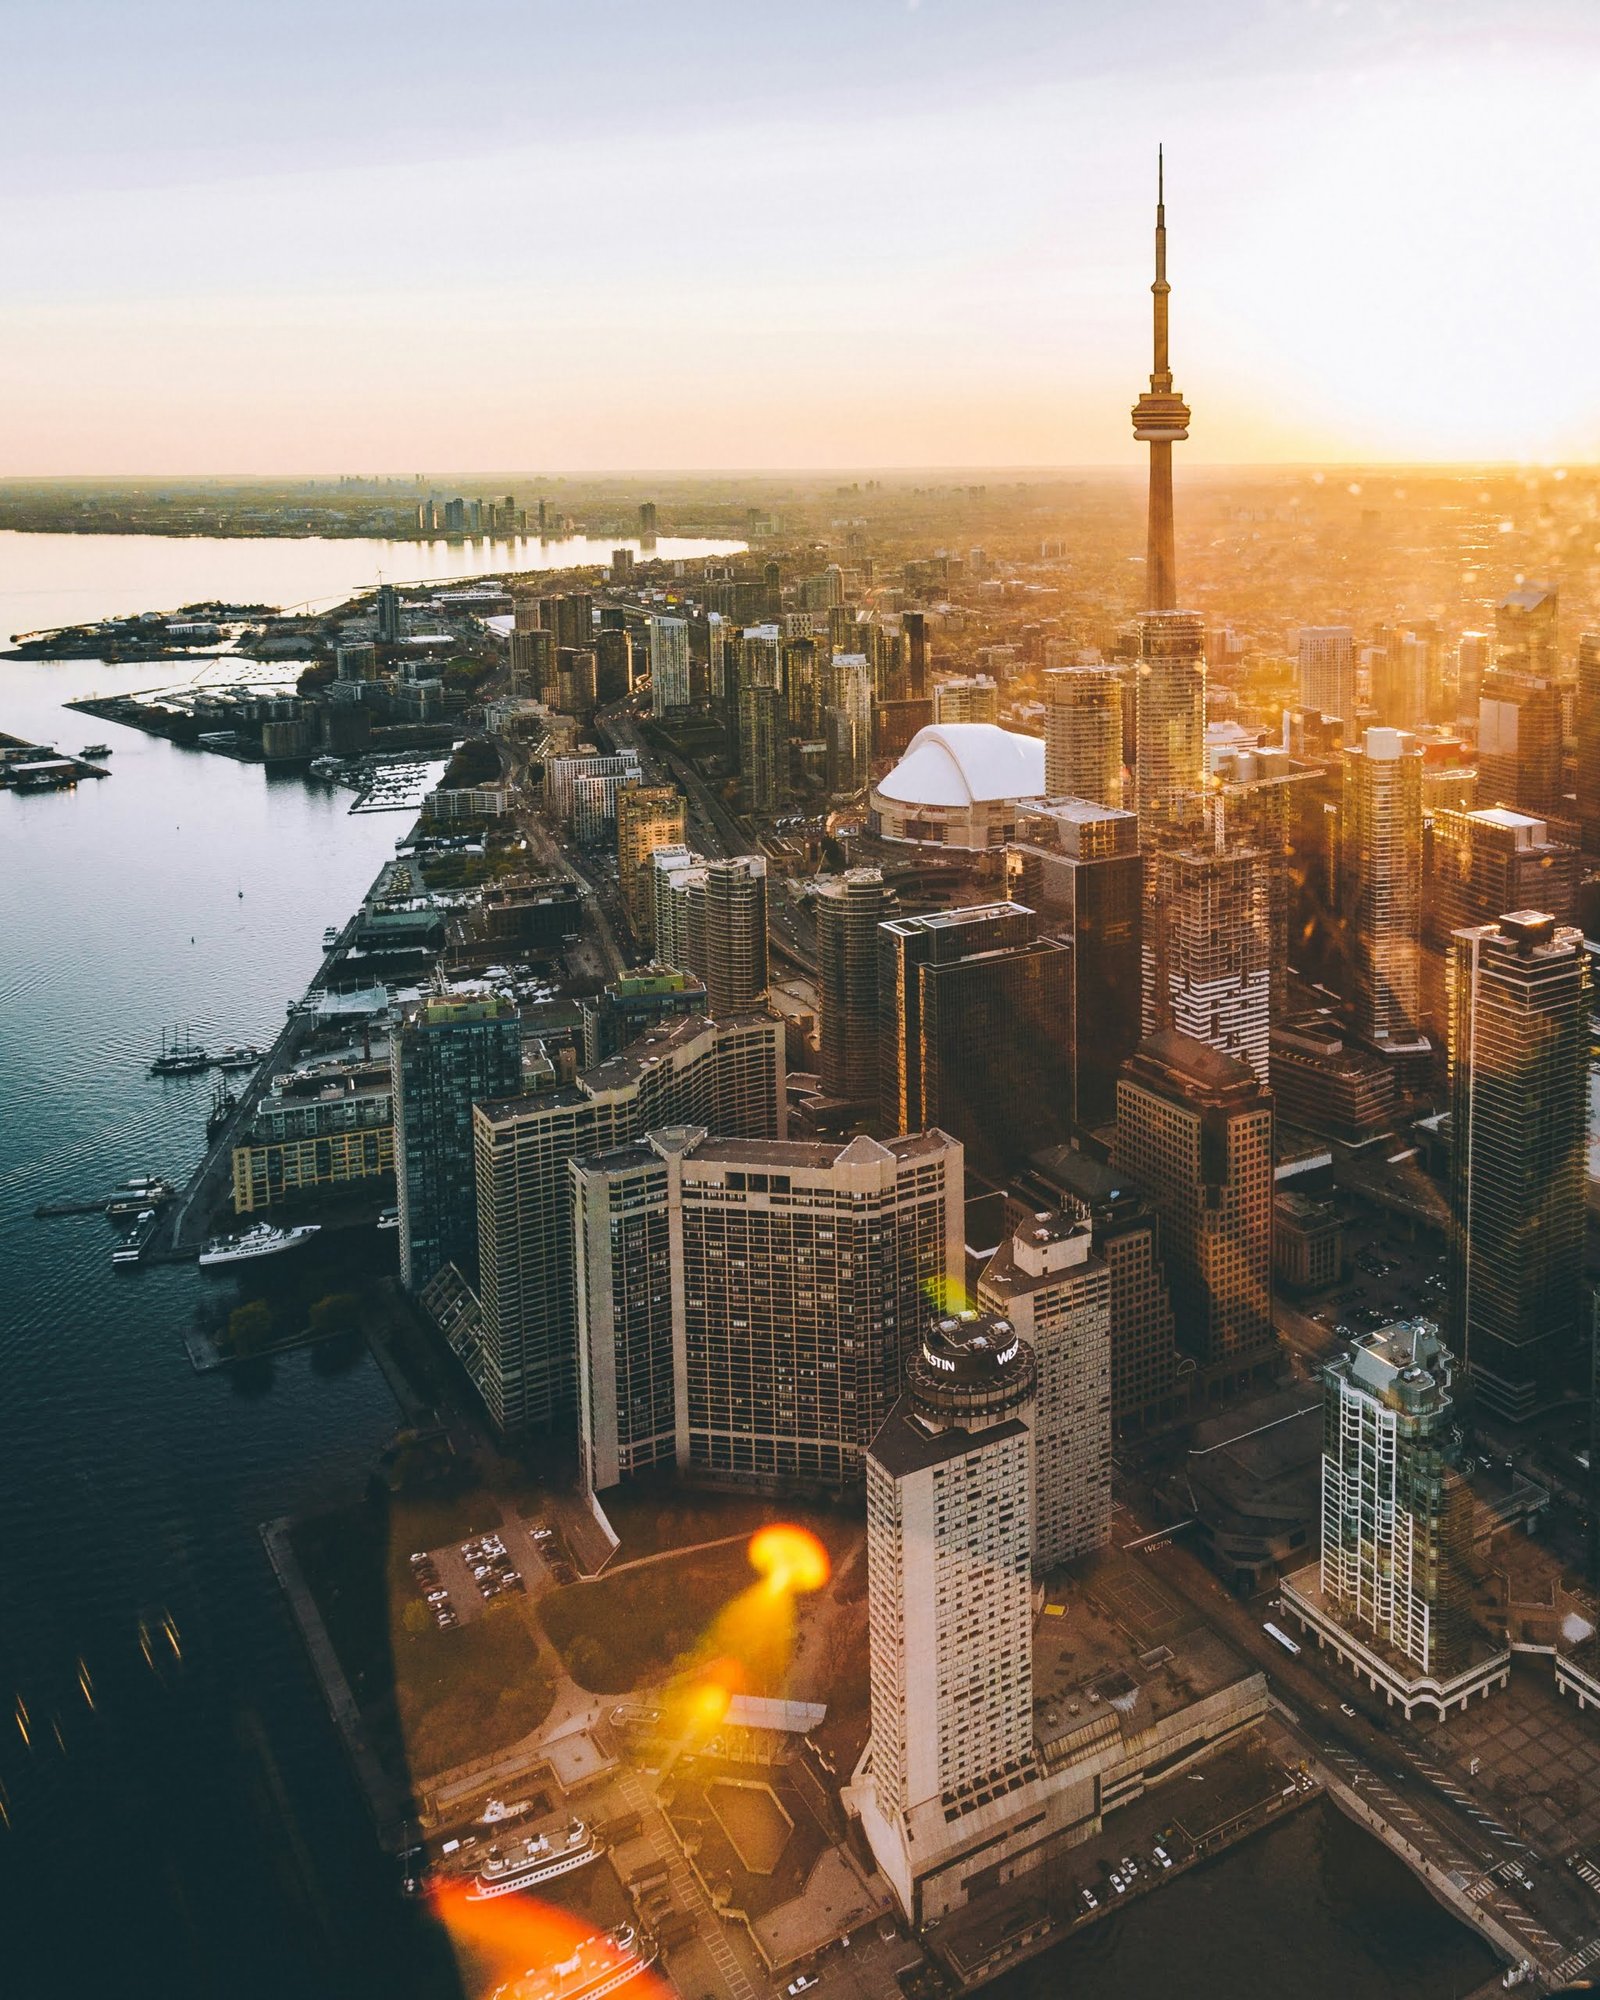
(648, 817)
(1080, 868)
(1207, 946)
(520, 1349)
(849, 908)
(976, 1027)
(1519, 1051)
(915, 626)
(669, 664)
(1046, 1279)
(1380, 881)
(711, 918)
(1170, 703)
(445, 1057)
(1493, 860)
(1519, 740)
(1194, 1134)
(949, 1507)
(1150, 1380)
(1328, 673)
(1083, 735)
(763, 746)
(1392, 1593)
(747, 1308)
(1588, 720)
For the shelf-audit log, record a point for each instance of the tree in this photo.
(249, 1327)
(335, 1313)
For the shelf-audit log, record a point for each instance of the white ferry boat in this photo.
(261, 1241)
(598, 1966)
(521, 1864)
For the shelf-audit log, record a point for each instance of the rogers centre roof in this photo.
(965, 763)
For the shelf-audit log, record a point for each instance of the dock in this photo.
(40, 767)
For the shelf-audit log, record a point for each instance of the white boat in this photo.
(389, 1218)
(238, 1055)
(520, 1864)
(597, 1966)
(261, 1241)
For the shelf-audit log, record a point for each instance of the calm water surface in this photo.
(195, 1832)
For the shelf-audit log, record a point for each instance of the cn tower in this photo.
(1160, 420)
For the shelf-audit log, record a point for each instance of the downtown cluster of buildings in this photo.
(1129, 1000)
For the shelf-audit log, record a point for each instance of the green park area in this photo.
(431, 1699)
(636, 1627)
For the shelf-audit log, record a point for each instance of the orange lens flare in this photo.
(518, 1938)
(790, 1558)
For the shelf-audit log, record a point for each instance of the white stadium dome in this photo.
(958, 785)
(967, 763)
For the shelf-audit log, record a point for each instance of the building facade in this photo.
(1194, 1133)
(746, 1308)
(445, 1057)
(1047, 1280)
(1380, 881)
(522, 1351)
(849, 908)
(1083, 734)
(648, 817)
(976, 1030)
(1519, 1073)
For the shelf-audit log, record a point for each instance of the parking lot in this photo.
(459, 1580)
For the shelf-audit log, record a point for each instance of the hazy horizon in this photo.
(904, 233)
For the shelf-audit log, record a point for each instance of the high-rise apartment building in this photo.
(711, 918)
(1079, 866)
(763, 746)
(1392, 1595)
(1083, 735)
(1194, 1134)
(976, 1030)
(849, 908)
(388, 615)
(1481, 863)
(1519, 740)
(914, 624)
(949, 1507)
(1519, 1071)
(634, 1004)
(613, 662)
(669, 664)
(1525, 624)
(648, 817)
(1380, 881)
(1170, 755)
(848, 724)
(747, 1308)
(1474, 651)
(1328, 674)
(1150, 1380)
(446, 1056)
(1207, 946)
(1588, 728)
(966, 698)
(561, 775)
(1396, 1512)
(1046, 1279)
(520, 1348)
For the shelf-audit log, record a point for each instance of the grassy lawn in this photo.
(431, 1699)
(632, 1629)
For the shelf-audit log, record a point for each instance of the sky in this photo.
(339, 236)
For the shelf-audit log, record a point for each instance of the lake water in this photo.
(195, 1831)
(50, 580)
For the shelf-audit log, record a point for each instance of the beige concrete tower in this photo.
(1160, 420)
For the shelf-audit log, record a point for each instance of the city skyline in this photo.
(952, 277)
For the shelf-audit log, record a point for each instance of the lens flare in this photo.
(790, 1558)
(523, 1942)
